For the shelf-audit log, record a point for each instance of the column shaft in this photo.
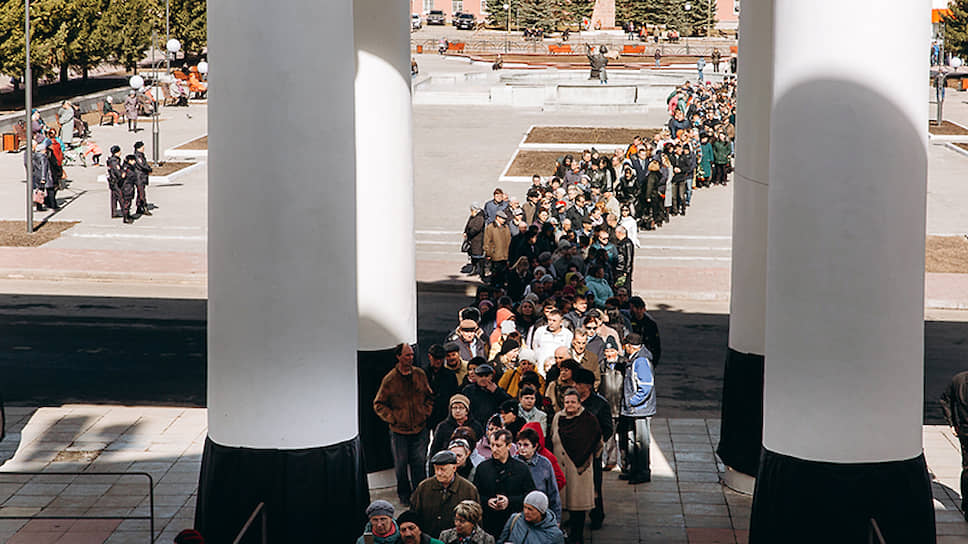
(386, 273)
(845, 276)
(742, 410)
(282, 274)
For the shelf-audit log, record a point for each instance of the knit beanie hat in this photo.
(460, 399)
(379, 508)
(538, 500)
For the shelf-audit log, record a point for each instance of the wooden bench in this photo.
(633, 50)
(559, 49)
(455, 47)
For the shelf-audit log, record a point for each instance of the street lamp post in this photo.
(507, 37)
(167, 36)
(29, 128)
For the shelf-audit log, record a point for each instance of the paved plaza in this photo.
(460, 153)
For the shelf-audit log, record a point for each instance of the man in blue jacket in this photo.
(638, 407)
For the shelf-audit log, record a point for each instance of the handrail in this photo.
(875, 536)
(151, 497)
(260, 510)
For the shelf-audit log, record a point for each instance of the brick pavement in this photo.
(684, 503)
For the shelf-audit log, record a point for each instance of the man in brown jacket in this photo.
(405, 401)
(435, 498)
(497, 240)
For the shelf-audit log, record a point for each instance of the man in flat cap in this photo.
(638, 407)
(497, 242)
(435, 498)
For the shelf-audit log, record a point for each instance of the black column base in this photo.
(810, 501)
(741, 433)
(311, 495)
(372, 366)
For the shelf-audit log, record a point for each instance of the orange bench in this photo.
(633, 50)
(559, 49)
(456, 47)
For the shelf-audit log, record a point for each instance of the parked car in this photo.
(453, 19)
(436, 17)
(466, 21)
(415, 22)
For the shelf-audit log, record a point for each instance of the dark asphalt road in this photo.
(59, 349)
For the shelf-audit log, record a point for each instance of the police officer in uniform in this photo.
(128, 184)
(142, 170)
(115, 179)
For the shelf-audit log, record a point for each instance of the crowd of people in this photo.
(547, 381)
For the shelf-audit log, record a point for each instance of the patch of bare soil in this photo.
(947, 254)
(588, 135)
(528, 162)
(168, 168)
(947, 128)
(196, 144)
(14, 233)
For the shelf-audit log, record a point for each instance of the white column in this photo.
(282, 271)
(385, 270)
(742, 414)
(384, 174)
(845, 274)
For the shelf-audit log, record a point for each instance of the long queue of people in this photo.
(596, 195)
(517, 415)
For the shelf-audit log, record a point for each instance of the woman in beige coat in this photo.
(576, 439)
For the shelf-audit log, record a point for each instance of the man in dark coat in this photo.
(443, 382)
(143, 170)
(115, 179)
(128, 184)
(485, 396)
(954, 402)
(643, 324)
(474, 236)
(624, 259)
(596, 405)
(435, 498)
(502, 482)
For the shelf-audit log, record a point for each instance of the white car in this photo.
(415, 22)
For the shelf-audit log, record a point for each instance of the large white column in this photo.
(282, 273)
(386, 275)
(845, 275)
(742, 411)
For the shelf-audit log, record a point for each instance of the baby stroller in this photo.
(73, 156)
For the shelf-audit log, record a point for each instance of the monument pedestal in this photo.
(603, 16)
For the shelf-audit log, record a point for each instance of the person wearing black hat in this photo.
(410, 531)
(596, 405)
(435, 498)
(509, 416)
(115, 180)
(142, 171)
(128, 186)
(454, 362)
(443, 382)
(638, 407)
(484, 394)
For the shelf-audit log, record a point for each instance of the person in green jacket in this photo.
(380, 524)
(721, 152)
(706, 161)
(410, 532)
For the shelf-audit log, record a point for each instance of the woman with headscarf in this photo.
(577, 438)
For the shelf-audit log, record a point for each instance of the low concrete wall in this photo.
(591, 94)
(86, 102)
